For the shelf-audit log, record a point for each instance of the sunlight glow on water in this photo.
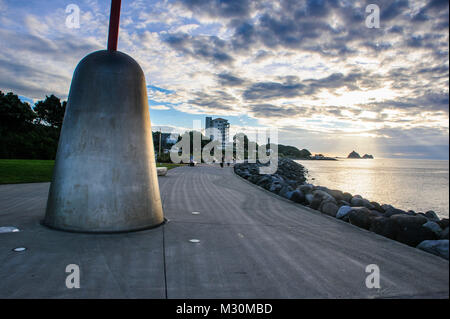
(419, 185)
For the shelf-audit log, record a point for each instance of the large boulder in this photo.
(319, 197)
(343, 203)
(377, 207)
(406, 220)
(265, 181)
(376, 213)
(347, 197)
(434, 227)
(291, 183)
(413, 235)
(288, 173)
(444, 234)
(275, 187)
(411, 213)
(329, 208)
(361, 202)
(384, 226)
(316, 201)
(309, 198)
(245, 174)
(254, 179)
(360, 216)
(431, 215)
(306, 188)
(291, 170)
(321, 188)
(337, 194)
(367, 204)
(435, 247)
(324, 195)
(297, 196)
(343, 211)
(357, 202)
(391, 211)
(285, 191)
(410, 229)
(443, 223)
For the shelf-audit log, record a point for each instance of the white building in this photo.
(217, 129)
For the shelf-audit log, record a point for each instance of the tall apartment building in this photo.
(217, 129)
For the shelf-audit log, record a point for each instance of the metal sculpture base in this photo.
(105, 177)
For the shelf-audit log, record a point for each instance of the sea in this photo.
(408, 184)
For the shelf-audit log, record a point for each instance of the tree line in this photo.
(28, 132)
(240, 138)
(32, 132)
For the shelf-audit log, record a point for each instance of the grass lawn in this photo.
(35, 171)
(169, 165)
(25, 171)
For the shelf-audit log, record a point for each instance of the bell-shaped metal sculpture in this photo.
(105, 177)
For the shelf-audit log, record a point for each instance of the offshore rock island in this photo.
(354, 154)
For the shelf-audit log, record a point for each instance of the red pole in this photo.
(114, 19)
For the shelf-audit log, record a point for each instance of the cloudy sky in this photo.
(312, 69)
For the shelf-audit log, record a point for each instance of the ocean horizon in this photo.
(409, 184)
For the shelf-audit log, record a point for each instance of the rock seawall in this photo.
(425, 231)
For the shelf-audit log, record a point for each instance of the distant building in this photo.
(217, 130)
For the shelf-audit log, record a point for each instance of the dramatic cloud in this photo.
(226, 79)
(311, 68)
(210, 48)
(219, 8)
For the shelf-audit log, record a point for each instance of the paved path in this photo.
(253, 244)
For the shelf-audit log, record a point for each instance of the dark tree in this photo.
(21, 134)
(50, 111)
(14, 114)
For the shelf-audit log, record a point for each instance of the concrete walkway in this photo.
(253, 244)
